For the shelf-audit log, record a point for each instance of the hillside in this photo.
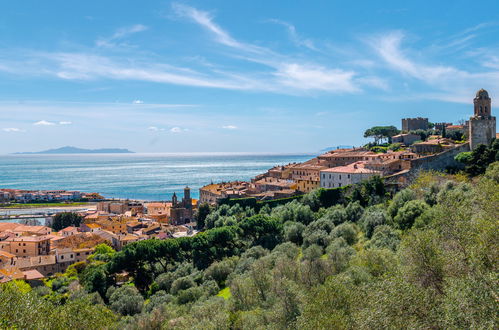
(355, 257)
(75, 150)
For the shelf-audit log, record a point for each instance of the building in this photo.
(344, 175)
(412, 124)
(68, 231)
(120, 207)
(26, 246)
(406, 139)
(181, 212)
(482, 126)
(214, 192)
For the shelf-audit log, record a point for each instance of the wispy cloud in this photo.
(65, 123)
(137, 102)
(230, 127)
(294, 36)
(44, 123)
(178, 129)
(205, 19)
(155, 129)
(120, 34)
(448, 83)
(13, 130)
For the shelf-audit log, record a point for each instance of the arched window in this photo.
(481, 110)
(485, 109)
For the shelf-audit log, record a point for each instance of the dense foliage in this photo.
(353, 258)
(476, 161)
(66, 219)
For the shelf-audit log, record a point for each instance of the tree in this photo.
(407, 215)
(202, 213)
(381, 132)
(477, 161)
(66, 219)
(126, 300)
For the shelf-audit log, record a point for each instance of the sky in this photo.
(236, 76)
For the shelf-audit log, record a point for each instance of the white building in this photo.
(344, 175)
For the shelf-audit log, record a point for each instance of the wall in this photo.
(440, 161)
(482, 131)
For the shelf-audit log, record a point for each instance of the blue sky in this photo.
(250, 76)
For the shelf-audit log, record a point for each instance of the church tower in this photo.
(187, 201)
(482, 126)
(174, 199)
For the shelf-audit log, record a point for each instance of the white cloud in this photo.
(13, 129)
(231, 127)
(206, 20)
(178, 130)
(137, 102)
(44, 123)
(155, 129)
(120, 34)
(306, 77)
(294, 36)
(388, 47)
(65, 123)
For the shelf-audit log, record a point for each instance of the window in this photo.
(330, 176)
(340, 176)
(62, 257)
(78, 254)
(24, 251)
(24, 244)
(339, 184)
(72, 256)
(17, 251)
(349, 176)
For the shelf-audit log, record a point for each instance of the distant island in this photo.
(335, 148)
(74, 150)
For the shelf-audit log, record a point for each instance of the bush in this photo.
(340, 253)
(373, 217)
(126, 300)
(407, 215)
(347, 231)
(293, 232)
(182, 283)
(384, 237)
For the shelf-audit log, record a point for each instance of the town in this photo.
(32, 252)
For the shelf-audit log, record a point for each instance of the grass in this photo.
(36, 205)
(225, 293)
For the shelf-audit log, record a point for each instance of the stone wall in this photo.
(482, 131)
(441, 160)
(435, 162)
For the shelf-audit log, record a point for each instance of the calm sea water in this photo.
(134, 176)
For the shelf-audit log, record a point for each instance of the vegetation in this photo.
(476, 161)
(66, 219)
(42, 204)
(355, 258)
(380, 133)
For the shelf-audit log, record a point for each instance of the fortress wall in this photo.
(441, 160)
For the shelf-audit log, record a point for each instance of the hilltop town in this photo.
(33, 252)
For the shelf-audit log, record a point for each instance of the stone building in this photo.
(181, 212)
(482, 126)
(412, 124)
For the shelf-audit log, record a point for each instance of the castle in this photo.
(482, 126)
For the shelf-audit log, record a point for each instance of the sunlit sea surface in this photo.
(134, 176)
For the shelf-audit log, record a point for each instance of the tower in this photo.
(174, 199)
(482, 126)
(187, 201)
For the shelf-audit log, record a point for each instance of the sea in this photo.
(149, 177)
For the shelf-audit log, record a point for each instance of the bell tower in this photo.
(482, 104)
(482, 127)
